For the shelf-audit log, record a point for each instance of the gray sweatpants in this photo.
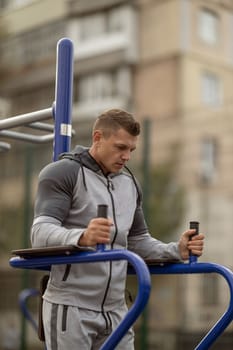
(73, 328)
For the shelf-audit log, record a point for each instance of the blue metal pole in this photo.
(23, 297)
(63, 97)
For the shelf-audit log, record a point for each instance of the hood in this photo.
(81, 155)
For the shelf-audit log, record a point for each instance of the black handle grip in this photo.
(102, 211)
(194, 225)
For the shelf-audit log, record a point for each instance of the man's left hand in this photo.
(189, 242)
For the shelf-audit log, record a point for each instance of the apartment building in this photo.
(168, 60)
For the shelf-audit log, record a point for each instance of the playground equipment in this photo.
(62, 134)
(60, 110)
(4, 146)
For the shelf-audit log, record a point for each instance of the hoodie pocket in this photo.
(66, 273)
(64, 318)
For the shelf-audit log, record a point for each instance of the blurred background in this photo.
(170, 62)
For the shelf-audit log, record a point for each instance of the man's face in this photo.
(114, 151)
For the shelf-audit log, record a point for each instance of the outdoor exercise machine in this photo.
(60, 133)
(4, 146)
(61, 112)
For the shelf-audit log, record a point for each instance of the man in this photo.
(83, 303)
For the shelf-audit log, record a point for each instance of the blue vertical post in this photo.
(63, 97)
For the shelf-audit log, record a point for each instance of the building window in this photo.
(96, 25)
(208, 26)
(32, 46)
(117, 19)
(95, 87)
(211, 89)
(102, 85)
(92, 26)
(208, 166)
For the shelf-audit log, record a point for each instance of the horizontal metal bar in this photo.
(4, 146)
(26, 137)
(23, 119)
(44, 126)
(41, 126)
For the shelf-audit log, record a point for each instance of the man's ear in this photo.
(97, 135)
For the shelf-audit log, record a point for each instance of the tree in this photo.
(166, 205)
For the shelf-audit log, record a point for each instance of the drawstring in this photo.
(82, 170)
(71, 156)
(135, 183)
(108, 323)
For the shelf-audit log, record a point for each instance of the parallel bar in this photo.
(41, 126)
(227, 317)
(194, 268)
(141, 270)
(26, 137)
(23, 297)
(63, 97)
(4, 146)
(22, 119)
(44, 126)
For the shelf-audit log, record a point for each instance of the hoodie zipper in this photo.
(110, 188)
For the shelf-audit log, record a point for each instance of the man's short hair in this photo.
(114, 119)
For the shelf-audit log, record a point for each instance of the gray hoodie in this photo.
(69, 192)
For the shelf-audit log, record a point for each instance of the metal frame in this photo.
(200, 268)
(60, 110)
(139, 267)
(62, 137)
(4, 146)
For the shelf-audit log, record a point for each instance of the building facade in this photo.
(167, 60)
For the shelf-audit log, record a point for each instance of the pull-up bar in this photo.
(25, 119)
(4, 146)
(60, 111)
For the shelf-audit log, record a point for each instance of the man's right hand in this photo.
(98, 231)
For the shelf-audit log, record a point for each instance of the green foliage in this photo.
(165, 201)
(11, 223)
